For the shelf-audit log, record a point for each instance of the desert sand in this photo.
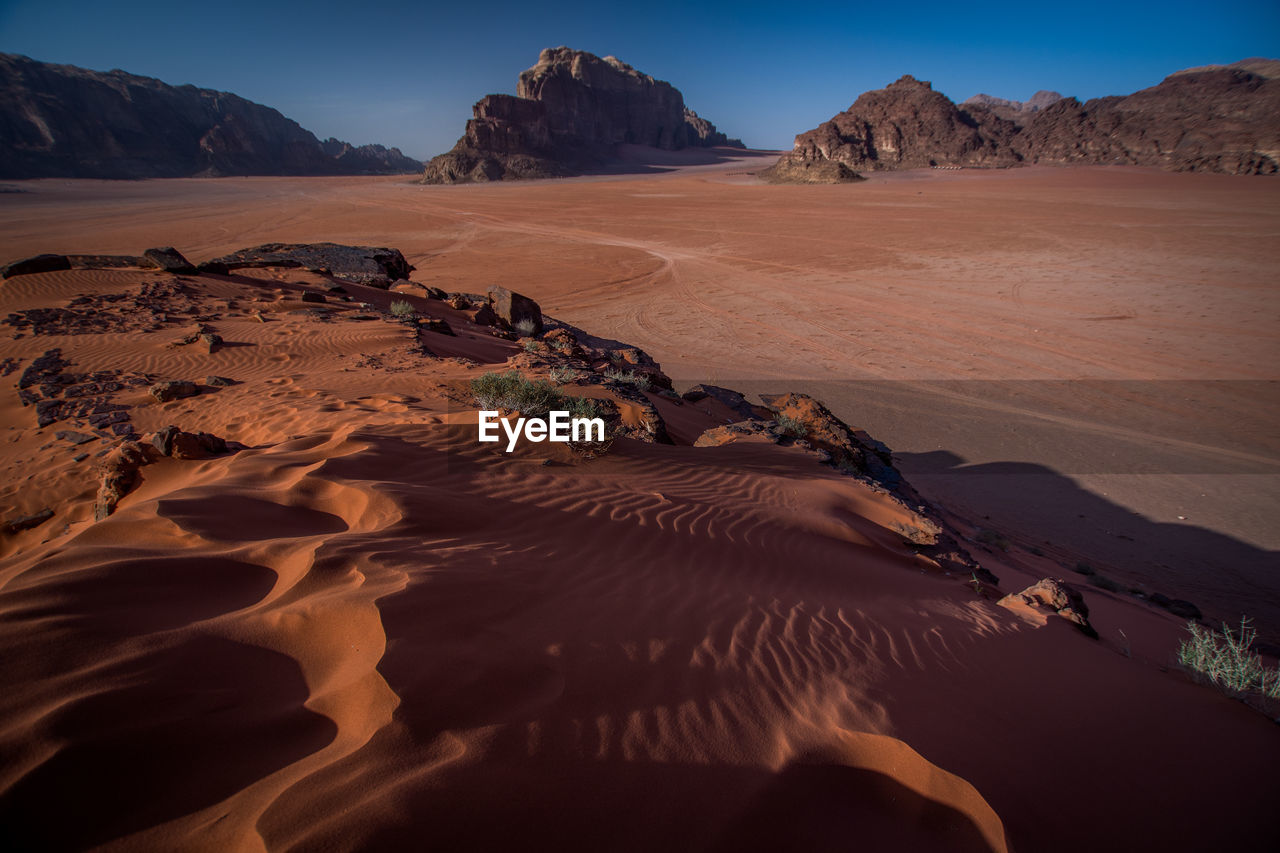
(365, 631)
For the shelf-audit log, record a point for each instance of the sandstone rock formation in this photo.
(68, 122)
(572, 110)
(1055, 595)
(1214, 119)
(369, 265)
(906, 125)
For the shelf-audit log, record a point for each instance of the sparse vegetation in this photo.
(1228, 661)
(525, 328)
(513, 392)
(403, 309)
(793, 427)
(533, 398)
(629, 377)
(563, 375)
(531, 345)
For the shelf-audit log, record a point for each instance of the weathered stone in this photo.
(1056, 595)
(120, 475)
(310, 296)
(173, 390)
(170, 260)
(368, 265)
(27, 522)
(516, 309)
(36, 264)
(218, 381)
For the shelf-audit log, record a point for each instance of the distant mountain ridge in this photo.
(68, 122)
(1214, 119)
(1017, 112)
(571, 111)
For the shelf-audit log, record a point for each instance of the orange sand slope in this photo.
(367, 631)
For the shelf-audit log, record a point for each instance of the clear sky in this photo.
(407, 73)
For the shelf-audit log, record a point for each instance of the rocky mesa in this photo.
(60, 121)
(571, 111)
(1215, 119)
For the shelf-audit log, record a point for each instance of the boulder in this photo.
(515, 309)
(170, 260)
(36, 264)
(177, 444)
(1056, 595)
(173, 389)
(121, 473)
(824, 430)
(311, 296)
(368, 265)
(218, 381)
(27, 522)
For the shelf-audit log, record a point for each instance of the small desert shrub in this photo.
(402, 309)
(515, 393)
(532, 346)
(525, 328)
(532, 398)
(629, 377)
(992, 539)
(793, 427)
(562, 375)
(1229, 660)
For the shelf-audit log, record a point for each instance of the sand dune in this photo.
(365, 630)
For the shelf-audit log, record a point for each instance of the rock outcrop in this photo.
(1054, 595)
(1216, 119)
(906, 125)
(60, 121)
(369, 265)
(571, 112)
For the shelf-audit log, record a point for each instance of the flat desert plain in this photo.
(353, 634)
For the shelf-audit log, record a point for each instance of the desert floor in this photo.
(360, 633)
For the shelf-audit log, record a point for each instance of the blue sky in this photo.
(406, 74)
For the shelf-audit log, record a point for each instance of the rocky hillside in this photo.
(67, 122)
(571, 111)
(1215, 119)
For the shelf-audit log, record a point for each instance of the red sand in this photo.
(367, 631)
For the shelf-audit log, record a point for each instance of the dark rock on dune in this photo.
(376, 267)
(171, 441)
(169, 259)
(572, 110)
(309, 296)
(515, 309)
(67, 122)
(37, 264)
(1054, 594)
(27, 522)
(1214, 119)
(173, 389)
(219, 381)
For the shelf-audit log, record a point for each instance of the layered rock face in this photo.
(1216, 119)
(571, 112)
(68, 122)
